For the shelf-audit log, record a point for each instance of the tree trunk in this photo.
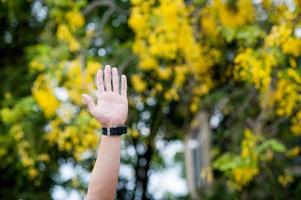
(197, 155)
(141, 171)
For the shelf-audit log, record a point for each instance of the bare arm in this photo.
(111, 111)
(105, 173)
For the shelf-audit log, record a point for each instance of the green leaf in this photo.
(227, 161)
(272, 144)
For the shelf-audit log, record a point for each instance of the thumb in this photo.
(89, 103)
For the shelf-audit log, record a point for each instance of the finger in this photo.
(115, 80)
(89, 103)
(123, 85)
(108, 78)
(99, 81)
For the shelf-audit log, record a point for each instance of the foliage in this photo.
(239, 61)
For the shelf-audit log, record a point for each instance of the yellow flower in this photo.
(278, 35)
(292, 46)
(163, 31)
(164, 73)
(248, 144)
(285, 96)
(92, 67)
(26, 161)
(44, 157)
(73, 44)
(138, 84)
(235, 18)
(194, 105)
(75, 19)
(159, 87)
(32, 172)
(64, 34)
(292, 73)
(35, 65)
(171, 94)
(255, 69)
(134, 133)
(296, 124)
(45, 97)
(208, 23)
(284, 180)
(243, 175)
(180, 75)
(294, 152)
(147, 63)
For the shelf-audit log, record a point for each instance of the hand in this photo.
(111, 108)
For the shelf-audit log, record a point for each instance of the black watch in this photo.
(114, 131)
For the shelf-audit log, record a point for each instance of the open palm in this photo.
(111, 108)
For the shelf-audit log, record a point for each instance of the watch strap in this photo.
(114, 131)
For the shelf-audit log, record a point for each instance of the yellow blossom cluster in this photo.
(79, 77)
(64, 34)
(71, 129)
(75, 19)
(281, 12)
(133, 133)
(286, 94)
(244, 167)
(242, 175)
(259, 68)
(286, 97)
(164, 35)
(296, 124)
(255, 67)
(76, 138)
(248, 144)
(71, 22)
(209, 23)
(287, 89)
(44, 96)
(236, 15)
(282, 36)
(138, 84)
(285, 179)
(36, 66)
(29, 160)
(295, 151)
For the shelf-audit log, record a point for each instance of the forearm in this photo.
(111, 110)
(104, 176)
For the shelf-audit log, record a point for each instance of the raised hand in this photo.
(111, 108)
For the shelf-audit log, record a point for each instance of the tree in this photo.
(236, 61)
(239, 62)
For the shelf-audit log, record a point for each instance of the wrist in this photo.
(106, 137)
(114, 131)
(112, 124)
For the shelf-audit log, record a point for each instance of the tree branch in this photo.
(104, 3)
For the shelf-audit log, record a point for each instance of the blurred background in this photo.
(214, 96)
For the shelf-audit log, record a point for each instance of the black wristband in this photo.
(114, 131)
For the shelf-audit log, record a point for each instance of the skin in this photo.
(111, 110)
